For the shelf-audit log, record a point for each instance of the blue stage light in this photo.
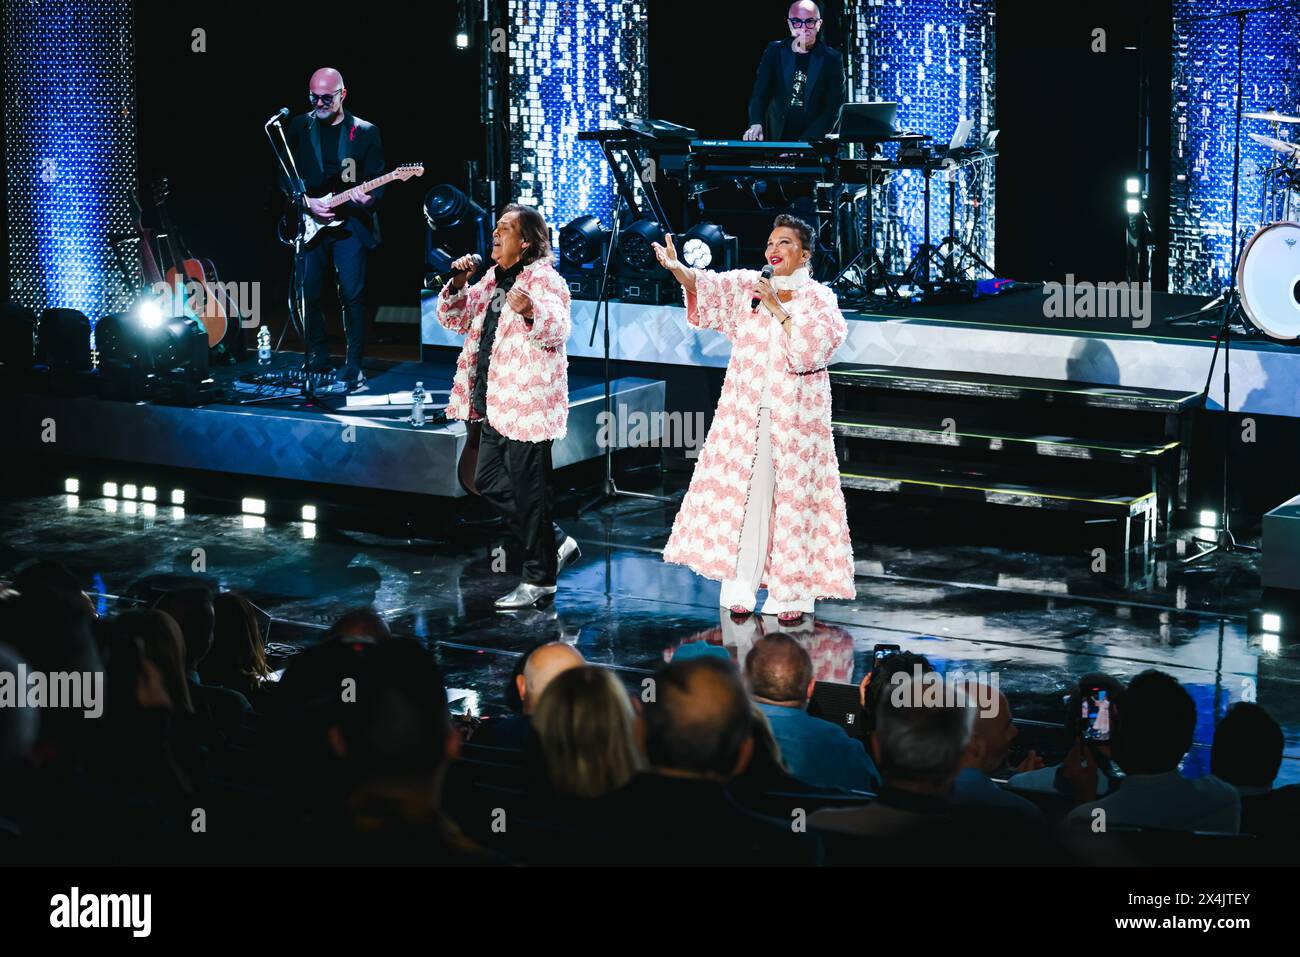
(69, 104)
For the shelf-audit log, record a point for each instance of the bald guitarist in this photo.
(335, 150)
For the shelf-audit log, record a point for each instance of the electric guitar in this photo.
(311, 224)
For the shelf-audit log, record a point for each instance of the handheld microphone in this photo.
(478, 261)
(280, 116)
(767, 274)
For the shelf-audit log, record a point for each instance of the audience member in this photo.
(1247, 753)
(918, 750)
(545, 663)
(986, 752)
(779, 672)
(1159, 722)
(394, 744)
(221, 708)
(698, 736)
(238, 657)
(587, 729)
(1034, 777)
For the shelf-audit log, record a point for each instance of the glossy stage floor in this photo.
(1033, 611)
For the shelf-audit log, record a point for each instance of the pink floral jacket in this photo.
(528, 376)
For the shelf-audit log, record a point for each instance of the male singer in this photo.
(513, 375)
(799, 88)
(333, 149)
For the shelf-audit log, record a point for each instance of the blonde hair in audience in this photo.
(587, 729)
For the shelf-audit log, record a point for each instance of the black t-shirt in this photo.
(505, 280)
(329, 149)
(796, 116)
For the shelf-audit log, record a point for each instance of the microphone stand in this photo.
(297, 192)
(1224, 539)
(610, 489)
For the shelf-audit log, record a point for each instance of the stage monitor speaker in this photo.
(1280, 547)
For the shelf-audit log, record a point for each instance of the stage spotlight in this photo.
(71, 486)
(707, 246)
(1209, 519)
(636, 255)
(1132, 206)
(178, 496)
(462, 226)
(149, 313)
(167, 361)
(462, 40)
(149, 494)
(110, 490)
(582, 241)
(128, 491)
(63, 341)
(309, 513)
(253, 506)
(1270, 622)
(1132, 186)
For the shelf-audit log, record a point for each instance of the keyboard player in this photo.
(800, 84)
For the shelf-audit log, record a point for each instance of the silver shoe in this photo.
(525, 595)
(567, 554)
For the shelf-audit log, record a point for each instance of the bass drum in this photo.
(1268, 278)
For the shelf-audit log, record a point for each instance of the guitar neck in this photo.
(365, 187)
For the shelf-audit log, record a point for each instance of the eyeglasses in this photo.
(324, 99)
(810, 22)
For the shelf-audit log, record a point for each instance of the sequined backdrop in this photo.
(935, 58)
(574, 65)
(1204, 98)
(69, 102)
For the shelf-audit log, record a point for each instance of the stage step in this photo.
(1098, 450)
(1123, 506)
(887, 427)
(976, 385)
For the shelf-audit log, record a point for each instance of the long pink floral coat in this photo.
(811, 554)
(528, 376)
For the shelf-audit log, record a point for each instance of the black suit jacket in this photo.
(359, 141)
(822, 99)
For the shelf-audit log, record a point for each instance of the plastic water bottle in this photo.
(417, 405)
(264, 346)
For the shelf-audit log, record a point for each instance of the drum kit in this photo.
(1268, 272)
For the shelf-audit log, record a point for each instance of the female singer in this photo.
(765, 507)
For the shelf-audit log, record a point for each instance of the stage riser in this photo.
(287, 444)
(1265, 377)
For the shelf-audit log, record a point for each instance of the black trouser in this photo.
(515, 478)
(340, 247)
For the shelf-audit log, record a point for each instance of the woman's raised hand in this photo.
(667, 253)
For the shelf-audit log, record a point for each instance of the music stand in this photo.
(868, 124)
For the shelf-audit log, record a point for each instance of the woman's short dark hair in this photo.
(532, 230)
(804, 230)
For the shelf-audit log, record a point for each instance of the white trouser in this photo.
(756, 534)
